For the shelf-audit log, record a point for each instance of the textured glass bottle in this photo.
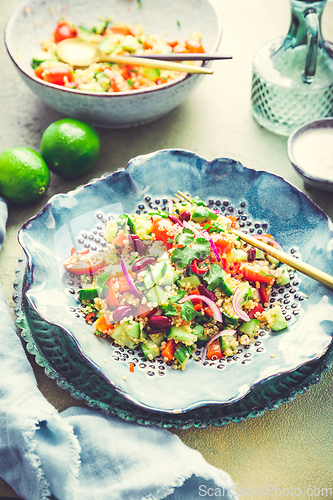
(292, 81)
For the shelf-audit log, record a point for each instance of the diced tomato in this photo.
(63, 30)
(163, 230)
(253, 275)
(115, 86)
(111, 297)
(172, 44)
(214, 350)
(208, 311)
(59, 74)
(222, 244)
(160, 81)
(39, 72)
(258, 308)
(84, 263)
(125, 73)
(147, 45)
(169, 349)
(119, 239)
(83, 252)
(101, 324)
(120, 30)
(263, 293)
(194, 45)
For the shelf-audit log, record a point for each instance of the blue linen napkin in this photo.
(81, 453)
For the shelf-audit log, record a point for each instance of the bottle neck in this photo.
(297, 34)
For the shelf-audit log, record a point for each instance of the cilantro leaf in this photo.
(200, 249)
(185, 237)
(169, 310)
(215, 276)
(101, 279)
(188, 312)
(180, 294)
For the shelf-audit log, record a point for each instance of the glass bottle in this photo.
(292, 80)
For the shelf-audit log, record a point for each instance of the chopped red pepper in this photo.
(208, 311)
(263, 293)
(90, 316)
(225, 265)
(234, 268)
(169, 349)
(196, 269)
(258, 308)
(252, 275)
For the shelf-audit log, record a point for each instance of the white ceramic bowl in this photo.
(310, 151)
(34, 20)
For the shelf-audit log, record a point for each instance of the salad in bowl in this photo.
(176, 280)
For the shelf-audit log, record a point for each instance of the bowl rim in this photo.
(108, 95)
(319, 123)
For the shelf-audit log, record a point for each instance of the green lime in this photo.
(24, 175)
(70, 147)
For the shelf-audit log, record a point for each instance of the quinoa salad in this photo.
(111, 38)
(171, 282)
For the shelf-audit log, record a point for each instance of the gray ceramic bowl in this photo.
(34, 20)
(310, 151)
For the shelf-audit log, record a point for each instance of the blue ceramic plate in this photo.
(262, 202)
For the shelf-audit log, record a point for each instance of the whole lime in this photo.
(24, 175)
(70, 147)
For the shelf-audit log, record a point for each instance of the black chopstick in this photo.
(183, 57)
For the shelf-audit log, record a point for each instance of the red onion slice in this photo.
(215, 337)
(175, 220)
(213, 247)
(215, 309)
(190, 226)
(129, 279)
(236, 301)
(268, 240)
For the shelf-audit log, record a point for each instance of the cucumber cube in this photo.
(182, 334)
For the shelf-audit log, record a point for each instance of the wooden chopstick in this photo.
(291, 261)
(303, 267)
(156, 63)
